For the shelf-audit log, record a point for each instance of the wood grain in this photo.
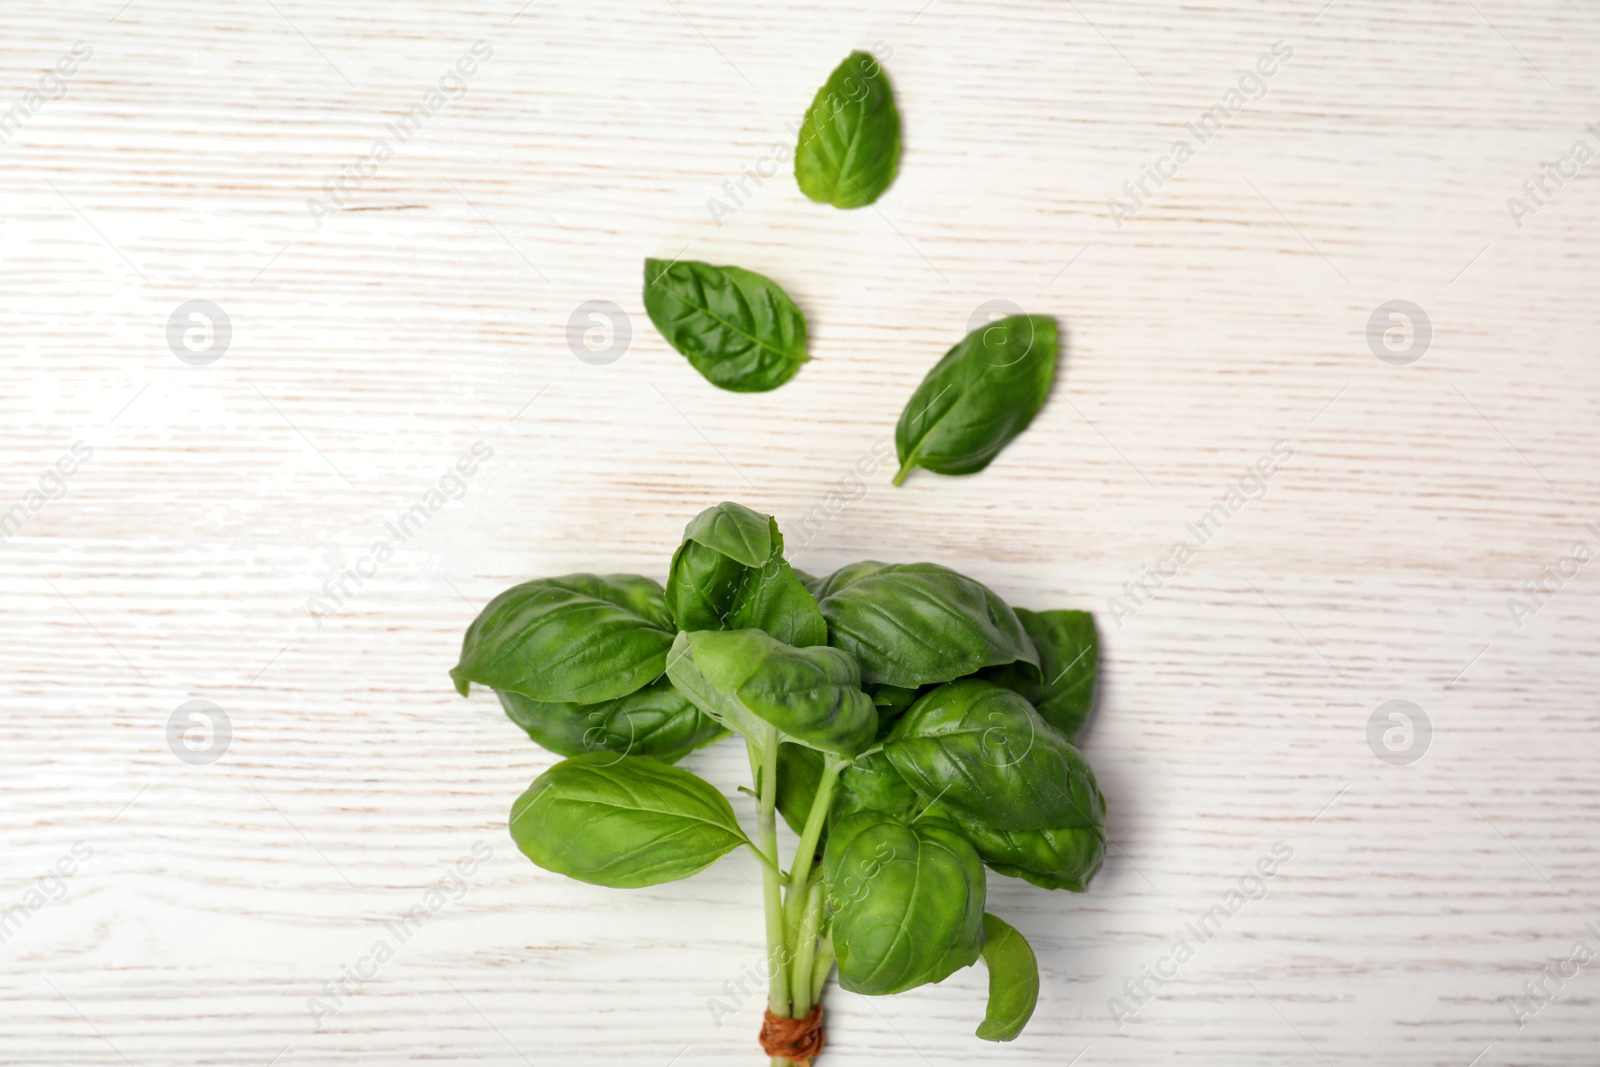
(431, 311)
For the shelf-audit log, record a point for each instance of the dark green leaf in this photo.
(891, 702)
(1065, 858)
(737, 328)
(910, 624)
(982, 752)
(799, 772)
(623, 821)
(1062, 689)
(907, 902)
(657, 721)
(749, 681)
(1013, 981)
(582, 638)
(982, 394)
(849, 146)
(736, 531)
(872, 784)
(713, 586)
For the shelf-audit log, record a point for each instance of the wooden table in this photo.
(385, 314)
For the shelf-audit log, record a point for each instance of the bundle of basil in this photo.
(908, 725)
(743, 333)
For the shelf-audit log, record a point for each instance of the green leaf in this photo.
(749, 681)
(849, 146)
(736, 531)
(1062, 689)
(982, 752)
(713, 585)
(907, 902)
(657, 721)
(737, 328)
(1013, 981)
(623, 821)
(582, 638)
(799, 773)
(872, 784)
(891, 702)
(981, 395)
(1064, 858)
(911, 624)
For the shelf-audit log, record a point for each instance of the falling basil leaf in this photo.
(737, 328)
(849, 146)
(981, 395)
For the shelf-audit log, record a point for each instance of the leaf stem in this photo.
(905, 469)
(767, 831)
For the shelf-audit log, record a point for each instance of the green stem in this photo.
(800, 871)
(805, 993)
(821, 966)
(905, 469)
(767, 833)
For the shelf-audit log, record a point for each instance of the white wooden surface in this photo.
(431, 312)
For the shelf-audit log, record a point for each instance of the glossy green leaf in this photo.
(749, 681)
(849, 144)
(909, 624)
(907, 902)
(657, 721)
(713, 585)
(1062, 689)
(891, 702)
(1013, 981)
(981, 395)
(582, 638)
(737, 328)
(1065, 858)
(981, 751)
(871, 783)
(623, 821)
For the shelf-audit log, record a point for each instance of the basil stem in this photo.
(767, 836)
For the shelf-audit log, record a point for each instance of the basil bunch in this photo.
(913, 730)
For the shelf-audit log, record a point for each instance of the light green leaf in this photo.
(849, 145)
(623, 821)
(750, 682)
(1013, 981)
(582, 638)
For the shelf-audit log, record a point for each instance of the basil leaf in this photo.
(891, 702)
(749, 682)
(582, 638)
(657, 721)
(1062, 689)
(799, 773)
(910, 624)
(849, 147)
(714, 585)
(872, 784)
(1013, 981)
(737, 328)
(907, 902)
(623, 821)
(1065, 858)
(982, 394)
(982, 752)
